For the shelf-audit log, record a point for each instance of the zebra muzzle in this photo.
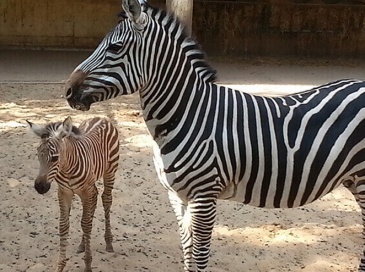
(42, 187)
(82, 107)
(76, 99)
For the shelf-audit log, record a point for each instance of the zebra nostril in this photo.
(69, 93)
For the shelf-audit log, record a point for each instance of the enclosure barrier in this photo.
(221, 27)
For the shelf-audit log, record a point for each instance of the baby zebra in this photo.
(76, 157)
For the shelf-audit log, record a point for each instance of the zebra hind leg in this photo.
(186, 235)
(107, 199)
(358, 190)
(89, 201)
(203, 214)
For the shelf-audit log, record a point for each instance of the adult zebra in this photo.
(212, 142)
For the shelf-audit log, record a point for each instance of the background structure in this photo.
(252, 27)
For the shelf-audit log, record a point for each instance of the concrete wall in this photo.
(61, 23)
(221, 27)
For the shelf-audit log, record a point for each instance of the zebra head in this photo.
(148, 51)
(113, 68)
(48, 152)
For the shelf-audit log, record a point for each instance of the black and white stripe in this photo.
(77, 157)
(212, 142)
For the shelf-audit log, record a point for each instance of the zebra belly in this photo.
(238, 192)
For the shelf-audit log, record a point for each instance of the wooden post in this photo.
(184, 10)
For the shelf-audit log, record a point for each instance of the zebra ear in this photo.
(39, 130)
(134, 11)
(65, 129)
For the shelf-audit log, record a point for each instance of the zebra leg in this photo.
(107, 199)
(362, 206)
(89, 201)
(350, 185)
(64, 200)
(186, 235)
(203, 213)
(81, 247)
(358, 190)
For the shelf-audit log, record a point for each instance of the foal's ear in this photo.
(66, 128)
(39, 130)
(134, 11)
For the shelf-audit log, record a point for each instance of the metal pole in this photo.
(184, 10)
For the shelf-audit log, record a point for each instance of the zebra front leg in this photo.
(107, 199)
(64, 200)
(203, 213)
(89, 201)
(186, 235)
(81, 247)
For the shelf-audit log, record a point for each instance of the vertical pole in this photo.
(183, 9)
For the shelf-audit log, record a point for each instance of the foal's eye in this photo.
(54, 158)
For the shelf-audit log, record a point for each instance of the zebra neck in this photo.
(73, 155)
(165, 103)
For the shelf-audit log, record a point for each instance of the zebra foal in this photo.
(212, 142)
(77, 157)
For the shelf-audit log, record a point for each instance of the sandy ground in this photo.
(324, 236)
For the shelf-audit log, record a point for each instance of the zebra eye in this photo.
(54, 158)
(113, 47)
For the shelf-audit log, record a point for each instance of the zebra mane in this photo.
(122, 16)
(193, 50)
(53, 130)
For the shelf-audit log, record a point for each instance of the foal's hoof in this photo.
(109, 248)
(81, 249)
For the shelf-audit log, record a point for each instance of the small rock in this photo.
(13, 182)
(33, 234)
(37, 268)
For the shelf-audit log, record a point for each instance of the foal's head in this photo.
(48, 152)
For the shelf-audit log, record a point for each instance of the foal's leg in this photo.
(64, 199)
(107, 199)
(184, 220)
(89, 201)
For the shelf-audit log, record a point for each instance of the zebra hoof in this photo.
(80, 249)
(109, 248)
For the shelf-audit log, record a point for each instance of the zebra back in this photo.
(94, 150)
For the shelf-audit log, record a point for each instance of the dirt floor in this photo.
(323, 236)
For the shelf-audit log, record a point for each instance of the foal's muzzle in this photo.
(42, 187)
